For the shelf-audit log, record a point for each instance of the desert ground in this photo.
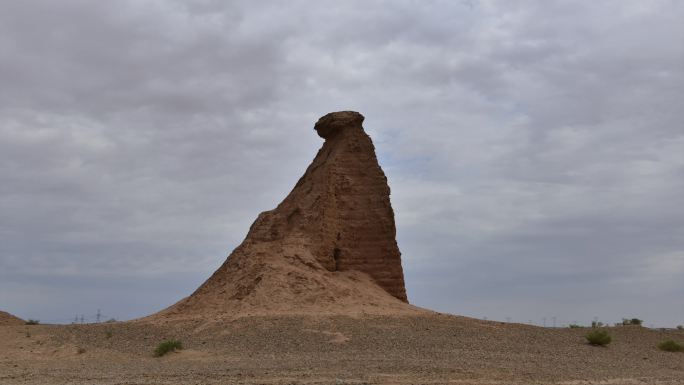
(419, 349)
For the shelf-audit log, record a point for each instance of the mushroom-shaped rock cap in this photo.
(332, 123)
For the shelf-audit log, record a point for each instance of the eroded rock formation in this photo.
(329, 246)
(340, 207)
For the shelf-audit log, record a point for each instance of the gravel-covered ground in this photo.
(335, 350)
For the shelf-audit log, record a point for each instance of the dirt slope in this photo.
(7, 319)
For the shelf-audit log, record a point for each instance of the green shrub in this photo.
(598, 338)
(671, 346)
(636, 321)
(167, 347)
(680, 327)
(575, 326)
(32, 322)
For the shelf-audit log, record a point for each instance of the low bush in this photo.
(632, 321)
(32, 322)
(575, 326)
(671, 346)
(680, 327)
(598, 338)
(167, 347)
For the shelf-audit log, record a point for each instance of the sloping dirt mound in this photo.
(7, 319)
(288, 283)
(328, 248)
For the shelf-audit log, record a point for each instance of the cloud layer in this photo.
(534, 148)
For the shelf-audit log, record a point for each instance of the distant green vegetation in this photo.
(32, 322)
(598, 338)
(671, 346)
(167, 347)
(680, 327)
(633, 321)
(575, 326)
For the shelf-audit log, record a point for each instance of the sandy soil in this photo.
(7, 319)
(425, 349)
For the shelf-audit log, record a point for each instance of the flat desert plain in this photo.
(415, 349)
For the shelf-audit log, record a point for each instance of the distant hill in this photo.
(7, 319)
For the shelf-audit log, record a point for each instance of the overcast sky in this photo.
(535, 149)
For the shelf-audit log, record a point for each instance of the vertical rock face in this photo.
(341, 206)
(328, 247)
